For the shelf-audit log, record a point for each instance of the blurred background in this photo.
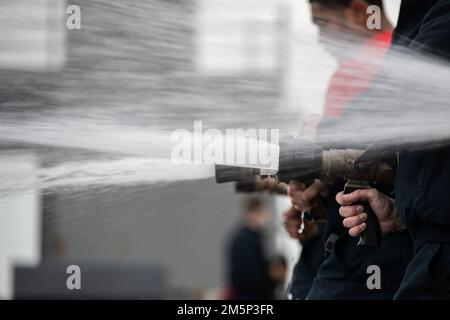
(158, 64)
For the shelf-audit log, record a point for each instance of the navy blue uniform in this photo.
(309, 262)
(343, 274)
(423, 179)
(422, 184)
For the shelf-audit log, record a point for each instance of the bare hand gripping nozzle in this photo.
(305, 161)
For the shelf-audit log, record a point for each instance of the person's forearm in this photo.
(394, 223)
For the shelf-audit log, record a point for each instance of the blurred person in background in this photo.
(248, 263)
(343, 272)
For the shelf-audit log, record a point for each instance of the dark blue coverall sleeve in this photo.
(423, 182)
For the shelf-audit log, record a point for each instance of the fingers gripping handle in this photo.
(371, 236)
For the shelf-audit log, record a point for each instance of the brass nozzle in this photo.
(261, 184)
(343, 164)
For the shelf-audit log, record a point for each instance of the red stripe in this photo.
(355, 76)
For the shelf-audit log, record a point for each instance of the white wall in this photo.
(236, 36)
(20, 238)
